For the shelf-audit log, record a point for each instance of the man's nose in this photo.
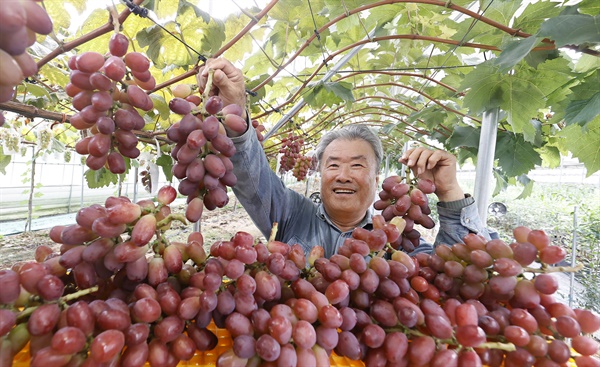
(344, 174)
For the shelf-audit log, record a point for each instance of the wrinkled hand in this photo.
(227, 83)
(438, 166)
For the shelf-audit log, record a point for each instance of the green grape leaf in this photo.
(576, 29)
(100, 178)
(522, 100)
(514, 52)
(534, 14)
(464, 136)
(484, 92)
(501, 182)
(591, 7)
(161, 106)
(166, 163)
(515, 155)
(527, 186)
(583, 111)
(341, 89)
(583, 143)
(37, 90)
(550, 156)
(4, 160)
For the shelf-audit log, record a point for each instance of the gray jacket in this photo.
(267, 200)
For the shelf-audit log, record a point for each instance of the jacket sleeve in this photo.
(457, 219)
(262, 194)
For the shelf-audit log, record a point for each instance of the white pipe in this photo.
(485, 162)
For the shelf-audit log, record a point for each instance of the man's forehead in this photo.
(349, 149)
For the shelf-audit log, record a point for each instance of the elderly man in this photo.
(349, 161)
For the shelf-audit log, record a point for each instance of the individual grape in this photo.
(421, 350)
(9, 283)
(525, 253)
(114, 68)
(267, 348)
(169, 328)
(49, 357)
(180, 106)
(552, 254)
(68, 340)
(183, 348)
(585, 345)
(181, 90)
(89, 62)
(567, 326)
(50, 287)
(559, 351)
(348, 346)
(546, 283)
(516, 335)
(43, 319)
(8, 320)
(137, 62)
(470, 335)
(213, 105)
(589, 322)
(135, 355)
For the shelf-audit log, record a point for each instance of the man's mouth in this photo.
(343, 191)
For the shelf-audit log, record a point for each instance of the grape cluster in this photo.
(20, 21)
(406, 204)
(108, 104)
(290, 148)
(202, 152)
(302, 167)
(102, 300)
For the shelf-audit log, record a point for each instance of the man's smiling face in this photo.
(348, 180)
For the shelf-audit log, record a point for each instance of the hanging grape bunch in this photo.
(20, 21)
(290, 148)
(203, 149)
(302, 167)
(108, 104)
(406, 204)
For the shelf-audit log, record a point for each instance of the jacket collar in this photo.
(366, 222)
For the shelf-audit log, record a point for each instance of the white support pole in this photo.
(485, 162)
(301, 102)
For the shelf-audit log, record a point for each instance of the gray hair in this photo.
(352, 132)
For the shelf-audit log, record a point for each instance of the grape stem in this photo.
(555, 269)
(169, 218)
(274, 232)
(207, 88)
(509, 347)
(69, 297)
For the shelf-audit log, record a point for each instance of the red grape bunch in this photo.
(406, 204)
(202, 152)
(302, 167)
(20, 21)
(290, 148)
(102, 300)
(108, 105)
